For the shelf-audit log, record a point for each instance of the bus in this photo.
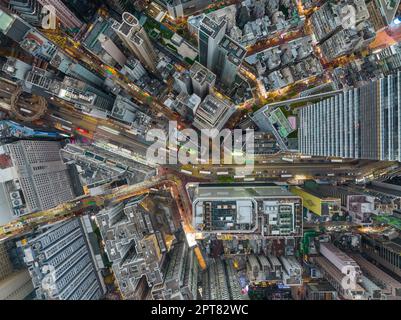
(186, 172)
(62, 127)
(25, 110)
(66, 128)
(204, 172)
(60, 119)
(249, 179)
(109, 130)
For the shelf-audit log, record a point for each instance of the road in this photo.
(77, 120)
(115, 196)
(77, 51)
(275, 40)
(78, 206)
(284, 171)
(268, 167)
(94, 129)
(94, 126)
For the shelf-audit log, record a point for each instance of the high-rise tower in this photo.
(136, 39)
(360, 123)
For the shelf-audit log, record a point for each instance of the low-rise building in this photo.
(335, 277)
(258, 211)
(320, 291)
(322, 206)
(133, 246)
(203, 80)
(213, 113)
(181, 276)
(128, 112)
(15, 282)
(183, 82)
(390, 286)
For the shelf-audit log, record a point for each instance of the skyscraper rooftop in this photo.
(211, 27)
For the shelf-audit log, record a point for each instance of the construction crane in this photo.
(200, 258)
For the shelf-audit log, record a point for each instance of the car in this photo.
(82, 131)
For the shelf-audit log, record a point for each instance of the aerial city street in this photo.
(200, 150)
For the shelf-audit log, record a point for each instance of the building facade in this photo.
(61, 264)
(15, 284)
(132, 245)
(230, 57)
(360, 123)
(182, 8)
(36, 178)
(29, 10)
(137, 41)
(203, 80)
(220, 282)
(210, 34)
(213, 113)
(256, 211)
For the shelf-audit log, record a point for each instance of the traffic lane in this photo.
(92, 125)
(286, 165)
(278, 170)
(122, 141)
(5, 94)
(71, 121)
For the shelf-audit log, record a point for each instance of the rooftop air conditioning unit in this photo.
(15, 195)
(17, 203)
